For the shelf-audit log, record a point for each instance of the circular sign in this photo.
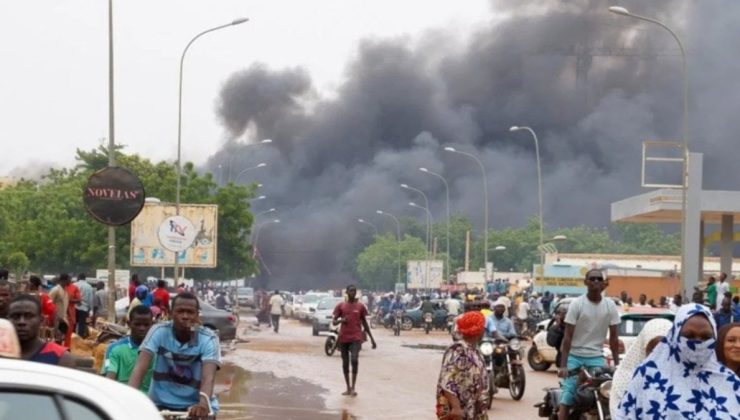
(176, 233)
(113, 196)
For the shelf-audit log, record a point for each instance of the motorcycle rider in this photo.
(498, 321)
(396, 305)
(426, 306)
(453, 305)
(587, 321)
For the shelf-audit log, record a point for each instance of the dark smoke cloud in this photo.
(336, 159)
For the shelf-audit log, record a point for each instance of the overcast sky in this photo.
(54, 77)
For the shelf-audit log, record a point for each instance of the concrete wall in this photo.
(653, 287)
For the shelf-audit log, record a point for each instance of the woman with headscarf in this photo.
(462, 388)
(728, 346)
(653, 331)
(681, 378)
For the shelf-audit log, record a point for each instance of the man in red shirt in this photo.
(162, 296)
(353, 316)
(132, 285)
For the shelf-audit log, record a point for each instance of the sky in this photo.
(54, 84)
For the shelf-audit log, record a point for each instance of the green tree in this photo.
(377, 265)
(17, 262)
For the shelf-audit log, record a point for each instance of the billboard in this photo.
(147, 249)
(416, 274)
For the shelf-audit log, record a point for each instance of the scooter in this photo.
(398, 322)
(428, 318)
(332, 340)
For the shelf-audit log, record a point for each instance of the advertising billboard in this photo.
(416, 273)
(153, 236)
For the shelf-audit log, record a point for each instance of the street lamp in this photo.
(398, 237)
(539, 186)
(179, 121)
(259, 165)
(257, 234)
(264, 212)
(429, 228)
(684, 183)
(429, 220)
(500, 248)
(375, 228)
(447, 191)
(265, 141)
(485, 203)
(262, 197)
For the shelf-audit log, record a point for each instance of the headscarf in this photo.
(682, 379)
(721, 334)
(635, 355)
(471, 324)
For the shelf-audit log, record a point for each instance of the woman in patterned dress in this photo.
(462, 388)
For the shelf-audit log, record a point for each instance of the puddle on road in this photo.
(257, 395)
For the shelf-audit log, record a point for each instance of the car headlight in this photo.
(486, 348)
(515, 344)
(605, 389)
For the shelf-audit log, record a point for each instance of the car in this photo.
(324, 313)
(245, 297)
(219, 320)
(413, 317)
(291, 304)
(308, 305)
(31, 390)
(541, 355)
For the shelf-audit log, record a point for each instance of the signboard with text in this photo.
(566, 279)
(113, 196)
(416, 273)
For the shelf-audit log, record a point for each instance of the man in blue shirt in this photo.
(186, 361)
(500, 322)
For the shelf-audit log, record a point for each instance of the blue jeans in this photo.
(568, 394)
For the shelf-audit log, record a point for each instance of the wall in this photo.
(653, 287)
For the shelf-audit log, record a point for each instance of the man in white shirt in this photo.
(453, 306)
(722, 287)
(276, 309)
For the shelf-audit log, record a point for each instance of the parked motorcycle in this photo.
(428, 318)
(397, 322)
(592, 396)
(504, 364)
(332, 340)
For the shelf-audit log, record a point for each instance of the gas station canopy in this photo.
(664, 206)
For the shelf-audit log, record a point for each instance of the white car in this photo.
(541, 355)
(30, 390)
(309, 302)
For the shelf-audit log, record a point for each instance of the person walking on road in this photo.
(276, 309)
(353, 316)
(587, 321)
(462, 388)
(87, 295)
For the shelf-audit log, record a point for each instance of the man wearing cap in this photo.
(498, 321)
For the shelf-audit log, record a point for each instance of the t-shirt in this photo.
(712, 295)
(453, 306)
(121, 358)
(86, 294)
(722, 288)
(60, 299)
(163, 296)
(100, 302)
(352, 313)
(276, 305)
(50, 354)
(178, 367)
(591, 321)
(522, 311)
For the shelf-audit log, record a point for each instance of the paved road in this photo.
(290, 377)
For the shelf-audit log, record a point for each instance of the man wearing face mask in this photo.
(681, 378)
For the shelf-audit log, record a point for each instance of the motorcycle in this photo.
(428, 318)
(592, 395)
(332, 340)
(504, 365)
(376, 319)
(397, 322)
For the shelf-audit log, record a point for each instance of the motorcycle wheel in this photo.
(407, 324)
(536, 362)
(329, 346)
(516, 387)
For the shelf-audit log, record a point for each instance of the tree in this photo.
(377, 265)
(18, 262)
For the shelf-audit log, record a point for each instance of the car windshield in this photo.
(310, 299)
(631, 325)
(245, 291)
(328, 303)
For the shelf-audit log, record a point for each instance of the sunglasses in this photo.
(596, 278)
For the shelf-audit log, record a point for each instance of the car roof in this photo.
(119, 401)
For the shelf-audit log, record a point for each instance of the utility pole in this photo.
(111, 162)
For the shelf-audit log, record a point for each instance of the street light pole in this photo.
(111, 162)
(265, 141)
(429, 217)
(485, 203)
(257, 235)
(257, 166)
(398, 238)
(375, 228)
(179, 123)
(624, 12)
(447, 191)
(539, 188)
(429, 228)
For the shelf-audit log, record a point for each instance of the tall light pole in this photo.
(429, 228)
(485, 203)
(684, 184)
(265, 141)
(111, 162)
(447, 191)
(398, 238)
(539, 189)
(429, 217)
(257, 234)
(179, 122)
(365, 222)
(257, 166)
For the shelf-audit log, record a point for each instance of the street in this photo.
(288, 376)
